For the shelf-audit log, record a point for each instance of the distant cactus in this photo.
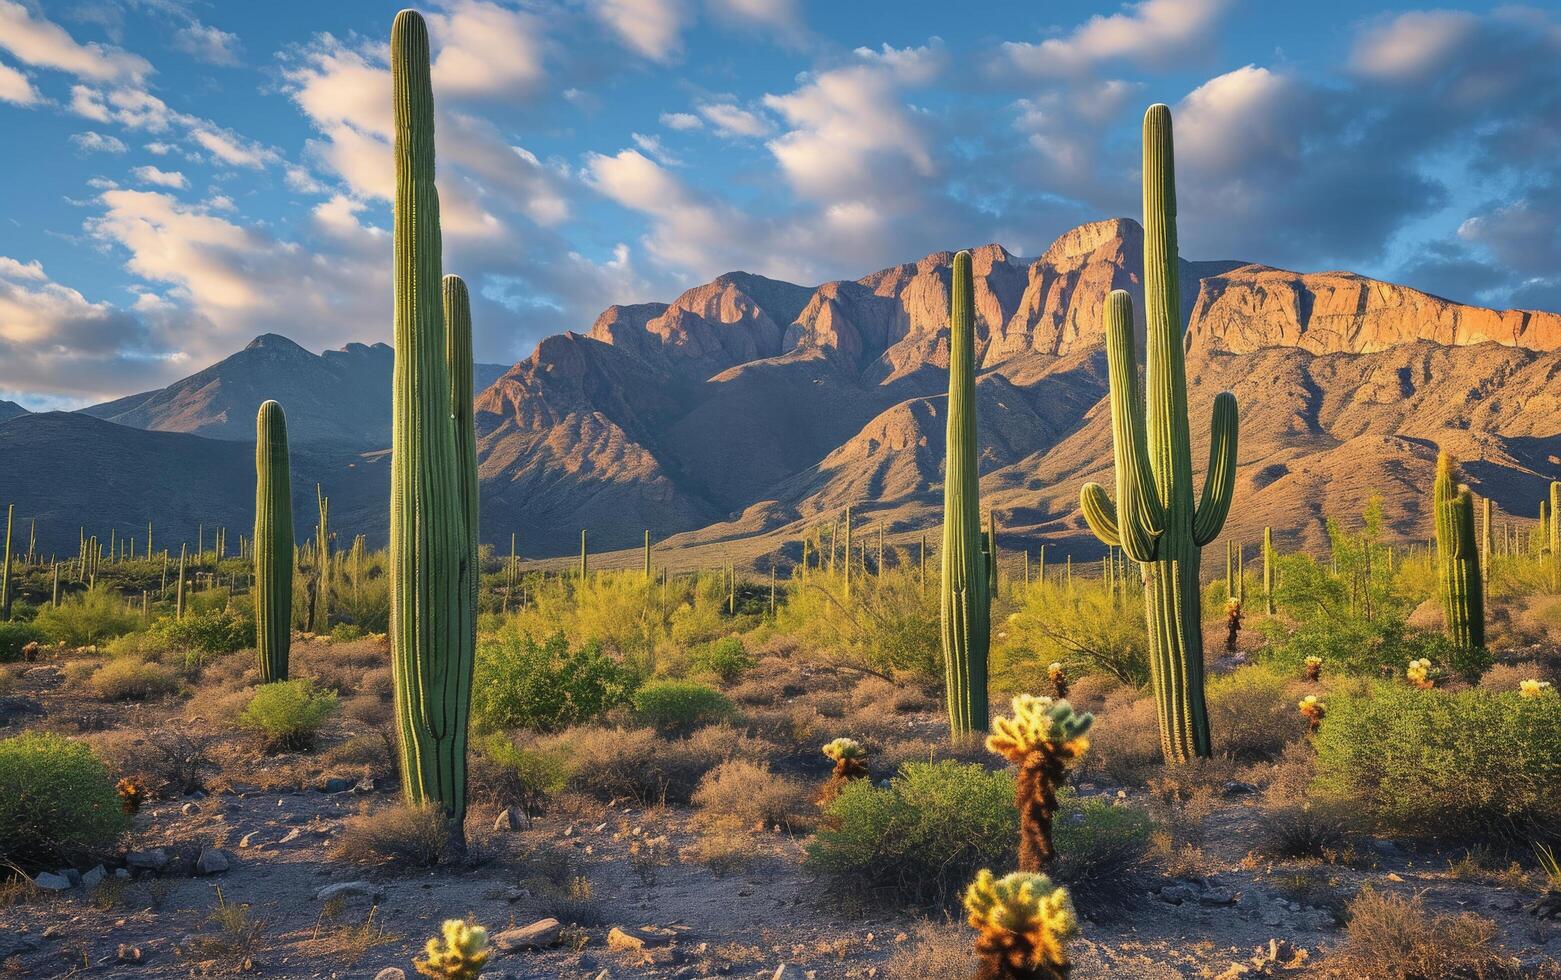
(5, 566)
(458, 953)
(850, 760)
(1154, 519)
(1023, 922)
(1421, 674)
(1042, 738)
(1314, 668)
(132, 793)
(273, 590)
(1534, 688)
(1458, 558)
(1269, 560)
(1232, 623)
(966, 592)
(1555, 536)
(1058, 678)
(1313, 710)
(178, 600)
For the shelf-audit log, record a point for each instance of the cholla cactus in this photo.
(850, 763)
(1042, 738)
(1420, 674)
(458, 954)
(1023, 921)
(1534, 688)
(1059, 679)
(1314, 668)
(1232, 623)
(132, 793)
(1314, 711)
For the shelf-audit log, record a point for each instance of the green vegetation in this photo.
(288, 715)
(674, 707)
(544, 687)
(59, 804)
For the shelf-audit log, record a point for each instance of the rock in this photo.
(189, 809)
(121, 872)
(51, 882)
(248, 839)
(127, 954)
(789, 971)
(638, 939)
(1235, 787)
(153, 860)
(343, 889)
(291, 836)
(1177, 894)
(72, 875)
(95, 877)
(391, 973)
(336, 784)
(364, 786)
(1218, 896)
(212, 861)
(539, 935)
(509, 818)
(1273, 917)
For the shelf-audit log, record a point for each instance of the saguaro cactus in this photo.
(1154, 519)
(1458, 558)
(1555, 536)
(432, 471)
(5, 567)
(1269, 559)
(273, 543)
(966, 597)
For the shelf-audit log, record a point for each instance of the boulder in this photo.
(540, 934)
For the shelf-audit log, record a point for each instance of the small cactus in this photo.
(1421, 674)
(850, 760)
(1232, 623)
(132, 793)
(1059, 680)
(1314, 711)
(1314, 668)
(1023, 921)
(1042, 738)
(1534, 688)
(459, 953)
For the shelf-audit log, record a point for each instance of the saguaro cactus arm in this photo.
(1219, 483)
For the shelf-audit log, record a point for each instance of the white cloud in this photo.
(681, 120)
(39, 42)
(1154, 34)
(486, 50)
(691, 232)
(13, 269)
(161, 178)
(654, 28)
(1412, 45)
(732, 120)
(15, 87)
(782, 18)
(92, 142)
(653, 147)
(205, 43)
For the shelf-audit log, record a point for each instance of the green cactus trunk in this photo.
(1154, 519)
(1555, 536)
(1269, 558)
(273, 543)
(5, 567)
(848, 557)
(1458, 558)
(322, 561)
(432, 472)
(585, 561)
(647, 557)
(965, 600)
(178, 599)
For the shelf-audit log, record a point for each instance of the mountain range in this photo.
(749, 409)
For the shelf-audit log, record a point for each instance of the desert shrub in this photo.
(58, 804)
(637, 763)
(207, 634)
(520, 776)
(1100, 847)
(288, 715)
(365, 604)
(920, 839)
(413, 836)
(1294, 821)
(679, 706)
(346, 632)
(1251, 714)
(1085, 629)
(724, 659)
(890, 626)
(1393, 937)
(750, 795)
(132, 679)
(936, 951)
(1508, 677)
(543, 687)
(14, 636)
(1466, 765)
(96, 616)
(1125, 742)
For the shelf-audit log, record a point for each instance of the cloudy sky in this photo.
(182, 175)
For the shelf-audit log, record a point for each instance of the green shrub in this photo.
(95, 617)
(132, 679)
(207, 634)
(920, 839)
(1465, 765)
(58, 804)
(680, 706)
(724, 658)
(1085, 629)
(346, 632)
(288, 714)
(889, 626)
(1251, 714)
(522, 776)
(543, 687)
(1100, 846)
(14, 636)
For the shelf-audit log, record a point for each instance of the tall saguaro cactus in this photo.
(1269, 560)
(1154, 519)
(1458, 558)
(273, 543)
(5, 566)
(1555, 535)
(433, 508)
(966, 596)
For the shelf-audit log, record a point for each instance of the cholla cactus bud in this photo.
(850, 763)
(1534, 688)
(1042, 738)
(1314, 668)
(1058, 678)
(1420, 674)
(842, 749)
(1023, 922)
(1313, 710)
(458, 954)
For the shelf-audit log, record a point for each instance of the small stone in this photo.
(189, 809)
(391, 973)
(789, 971)
(248, 839)
(1235, 787)
(128, 954)
(95, 877)
(1273, 917)
(291, 835)
(638, 939)
(364, 786)
(153, 860)
(121, 872)
(540, 934)
(1218, 896)
(509, 818)
(346, 888)
(336, 784)
(212, 861)
(51, 882)
(72, 875)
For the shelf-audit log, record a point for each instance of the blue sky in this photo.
(183, 175)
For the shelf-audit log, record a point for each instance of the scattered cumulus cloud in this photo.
(93, 142)
(208, 44)
(1155, 34)
(161, 178)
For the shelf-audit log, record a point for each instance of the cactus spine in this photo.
(966, 598)
(432, 502)
(1154, 519)
(273, 543)
(1458, 558)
